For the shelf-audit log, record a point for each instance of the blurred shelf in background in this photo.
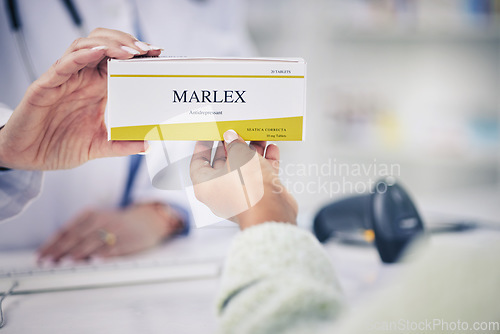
(413, 20)
(414, 82)
(398, 20)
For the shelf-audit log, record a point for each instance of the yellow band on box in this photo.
(201, 98)
(289, 128)
(206, 76)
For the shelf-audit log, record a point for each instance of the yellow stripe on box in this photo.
(205, 76)
(276, 129)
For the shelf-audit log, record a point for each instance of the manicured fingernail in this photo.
(147, 149)
(142, 46)
(102, 47)
(156, 48)
(230, 136)
(96, 259)
(46, 262)
(130, 50)
(67, 260)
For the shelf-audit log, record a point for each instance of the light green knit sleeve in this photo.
(277, 279)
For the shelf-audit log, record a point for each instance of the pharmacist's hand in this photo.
(111, 233)
(60, 121)
(240, 183)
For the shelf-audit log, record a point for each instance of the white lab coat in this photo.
(181, 27)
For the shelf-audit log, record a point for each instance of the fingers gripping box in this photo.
(201, 98)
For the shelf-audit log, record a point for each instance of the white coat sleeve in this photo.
(277, 279)
(17, 187)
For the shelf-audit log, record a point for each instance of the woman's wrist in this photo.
(272, 208)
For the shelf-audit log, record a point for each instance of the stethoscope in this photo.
(16, 26)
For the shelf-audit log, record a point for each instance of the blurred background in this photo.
(403, 88)
(408, 87)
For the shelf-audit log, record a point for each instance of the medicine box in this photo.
(201, 98)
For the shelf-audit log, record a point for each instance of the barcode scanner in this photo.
(387, 217)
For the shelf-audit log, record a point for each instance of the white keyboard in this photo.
(84, 276)
(198, 256)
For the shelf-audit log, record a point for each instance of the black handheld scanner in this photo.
(387, 216)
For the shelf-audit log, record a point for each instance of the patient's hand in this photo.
(241, 183)
(112, 233)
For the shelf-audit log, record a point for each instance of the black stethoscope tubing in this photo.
(16, 26)
(15, 18)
